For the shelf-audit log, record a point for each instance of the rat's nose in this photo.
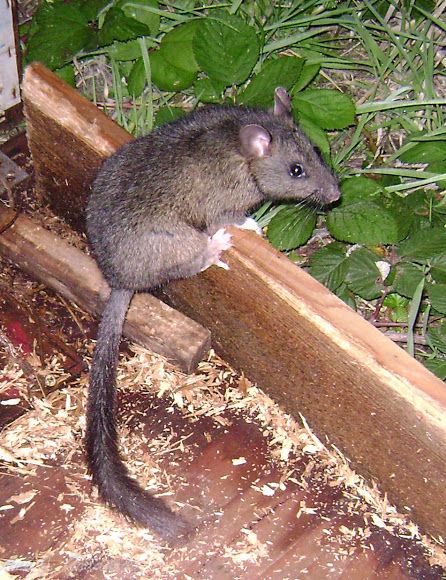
(332, 192)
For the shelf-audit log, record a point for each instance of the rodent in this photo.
(157, 212)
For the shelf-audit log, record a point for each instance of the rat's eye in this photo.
(296, 170)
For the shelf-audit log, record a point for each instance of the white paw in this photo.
(219, 242)
(251, 224)
(222, 264)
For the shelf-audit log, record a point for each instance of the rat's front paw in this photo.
(219, 242)
(251, 224)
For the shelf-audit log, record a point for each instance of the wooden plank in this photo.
(68, 138)
(72, 273)
(316, 356)
(298, 341)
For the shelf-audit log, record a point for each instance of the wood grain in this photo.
(287, 332)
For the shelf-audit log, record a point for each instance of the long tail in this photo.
(108, 471)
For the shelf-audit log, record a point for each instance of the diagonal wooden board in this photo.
(275, 323)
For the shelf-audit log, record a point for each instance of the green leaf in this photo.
(407, 278)
(130, 50)
(421, 205)
(317, 136)
(346, 295)
(91, 8)
(398, 306)
(209, 90)
(329, 265)
(389, 180)
(437, 337)
(118, 26)
(277, 72)
(226, 48)
(424, 244)
(177, 46)
(363, 277)
(168, 77)
(308, 73)
(327, 108)
(59, 32)
(137, 78)
(439, 210)
(425, 152)
(437, 365)
(291, 227)
(135, 9)
(440, 168)
(438, 268)
(418, 201)
(66, 73)
(174, 67)
(358, 188)
(168, 114)
(369, 222)
(437, 296)
(363, 216)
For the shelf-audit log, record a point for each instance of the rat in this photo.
(157, 212)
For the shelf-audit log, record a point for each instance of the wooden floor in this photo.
(222, 477)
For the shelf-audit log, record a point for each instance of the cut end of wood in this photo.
(42, 89)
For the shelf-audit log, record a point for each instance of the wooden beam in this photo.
(68, 138)
(316, 356)
(293, 337)
(72, 273)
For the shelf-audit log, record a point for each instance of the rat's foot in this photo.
(250, 224)
(220, 241)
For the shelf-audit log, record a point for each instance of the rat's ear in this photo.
(282, 104)
(255, 141)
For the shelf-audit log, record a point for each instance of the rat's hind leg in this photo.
(178, 251)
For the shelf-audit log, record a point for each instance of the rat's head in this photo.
(283, 162)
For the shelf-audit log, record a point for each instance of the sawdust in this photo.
(56, 424)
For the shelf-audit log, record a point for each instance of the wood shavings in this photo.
(304, 509)
(267, 490)
(10, 402)
(103, 532)
(216, 388)
(8, 457)
(22, 498)
(215, 392)
(249, 550)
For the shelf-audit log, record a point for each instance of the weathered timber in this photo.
(72, 273)
(301, 344)
(68, 138)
